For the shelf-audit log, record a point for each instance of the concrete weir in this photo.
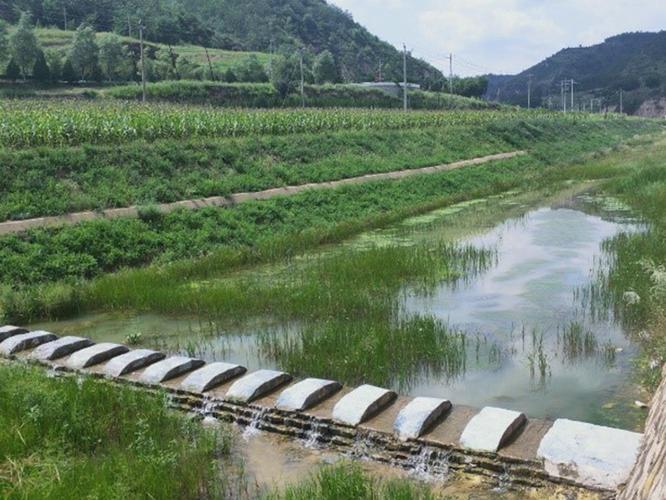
(394, 429)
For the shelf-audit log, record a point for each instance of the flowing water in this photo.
(530, 343)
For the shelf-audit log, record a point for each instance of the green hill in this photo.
(634, 63)
(240, 25)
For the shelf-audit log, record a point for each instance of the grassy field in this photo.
(70, 157)
(65, 439)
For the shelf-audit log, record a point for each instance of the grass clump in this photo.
(349, 481)
(61, 438)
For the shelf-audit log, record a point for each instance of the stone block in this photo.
(210, 376)
(362, 403)
(169, 368)
(256, 385)
(95, 355)
(590, 455)
(23, 341)
(418, 416)
(60, 348)
(491, 428)
(131, 361)
(306, 394)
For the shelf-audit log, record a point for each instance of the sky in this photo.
(500, 36)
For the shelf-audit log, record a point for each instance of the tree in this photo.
(23, 46)
(325, 70)
(54, 60)
(251, 70)
(230, 76)
(286, 74)
(113, 58)
(3, 39)
(68, 73)
(84, 52)
(13, 72)
(40, 71)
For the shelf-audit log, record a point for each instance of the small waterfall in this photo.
(207, 407)
(253, 427)
(504, 481)
(429, 465)
(311, 439)
(360, 449)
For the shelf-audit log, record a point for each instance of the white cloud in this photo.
(502, 35)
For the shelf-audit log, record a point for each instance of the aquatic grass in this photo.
(577, 342)
(65, 438)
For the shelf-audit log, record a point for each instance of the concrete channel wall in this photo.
(366, 421)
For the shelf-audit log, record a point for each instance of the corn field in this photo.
(33, 123)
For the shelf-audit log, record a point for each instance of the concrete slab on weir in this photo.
(131, 361)
(419, 415)
(307, 393)
(169, 368)
(60, 348)
(23, 341)
(210, 376)
(10, 331)
(94, 355)
(362, 403)
(595, 456)
(256, 384)
(491, 428)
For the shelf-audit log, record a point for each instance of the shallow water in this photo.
(514, 314)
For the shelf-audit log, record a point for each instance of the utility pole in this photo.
(379, 74)
(563, 98)
(529, 91)
(404, 77)
(129, 26)
(621, 102)
(302, 80)
(210, 66)
(572, 94)
(270, 59)
(143, 62)
(64, 14)
(451, 73)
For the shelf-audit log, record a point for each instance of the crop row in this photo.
(38, 123)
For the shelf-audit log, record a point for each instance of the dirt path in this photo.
(227, 201)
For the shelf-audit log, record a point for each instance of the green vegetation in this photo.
(257, 95)
(348, 480)
(635, 285)
(62, 438)
(247, 25)
(26, 124)
(632, 62)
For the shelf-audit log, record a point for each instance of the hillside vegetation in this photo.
(634, 63)
(245, 25)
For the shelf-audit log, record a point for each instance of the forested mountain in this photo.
(256, 25)
(634, 63)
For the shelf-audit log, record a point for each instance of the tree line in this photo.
(109, 58)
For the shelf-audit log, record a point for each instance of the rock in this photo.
(591, 455)
(362, 403)
(491, 428)
(306, 394)
(416, 418)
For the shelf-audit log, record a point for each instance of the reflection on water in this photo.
(529, 345)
